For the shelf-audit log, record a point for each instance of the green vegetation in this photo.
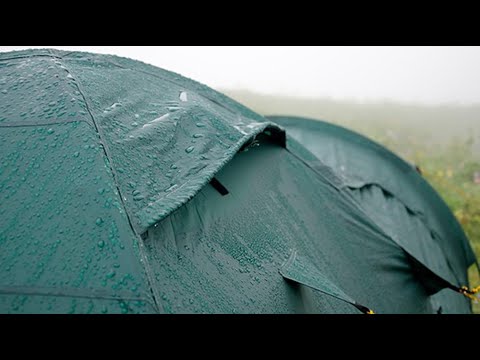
(443, 140)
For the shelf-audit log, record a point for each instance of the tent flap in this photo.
(166, 136)
(302, 271)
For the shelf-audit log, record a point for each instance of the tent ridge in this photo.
(29, 56)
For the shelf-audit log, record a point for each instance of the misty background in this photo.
(423, 103)
(426, 75)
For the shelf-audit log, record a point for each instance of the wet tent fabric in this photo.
(106, 204)
(93, 152)
(395, 196)
(231, 262)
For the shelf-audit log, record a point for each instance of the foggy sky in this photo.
(430, 75)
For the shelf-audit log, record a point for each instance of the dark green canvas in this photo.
(126, 188)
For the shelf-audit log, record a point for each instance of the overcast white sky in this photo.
(410, 74)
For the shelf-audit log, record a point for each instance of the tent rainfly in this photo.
(125, 188)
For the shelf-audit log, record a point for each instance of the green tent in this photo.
(126, 188)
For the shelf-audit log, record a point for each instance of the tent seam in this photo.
(27, 124)
(144, 259)
(74, 293)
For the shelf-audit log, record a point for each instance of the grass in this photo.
(443, 140)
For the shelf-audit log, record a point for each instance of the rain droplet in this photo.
(189, 149)
(170, 188)
(101, 191)
(197, 135)
(111, 274)
(200, 125)
(101, 244)
(183, 96)
(99, 221)
(76, 154)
